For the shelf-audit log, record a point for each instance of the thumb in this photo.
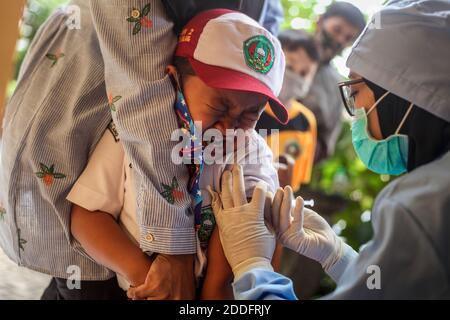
(259, 198)
(216, 203)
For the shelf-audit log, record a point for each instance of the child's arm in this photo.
(104, 240)
(219, 276)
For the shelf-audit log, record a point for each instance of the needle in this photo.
(309, 203)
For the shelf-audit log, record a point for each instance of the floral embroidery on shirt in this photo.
(2, 213)
(55, 57)
(112, 100)
(140, 19)
(48, 174)
(206, 226)
(171, 192)
(21, 241)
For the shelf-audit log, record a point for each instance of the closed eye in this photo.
(217, 109)
(253, 113)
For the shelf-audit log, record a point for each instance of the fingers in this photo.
(298, 211)
(268, 209)
(285, 210)
(147, 291)
(227, 185)
(259, 197)
(276, 205)
(239, 196)
(216, 203)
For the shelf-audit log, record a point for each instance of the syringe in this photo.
(309, 203)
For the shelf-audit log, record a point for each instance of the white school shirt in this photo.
(106, 185)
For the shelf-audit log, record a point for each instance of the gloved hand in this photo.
(246, 241)
(304, 231)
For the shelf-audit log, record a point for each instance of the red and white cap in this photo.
(229, 50)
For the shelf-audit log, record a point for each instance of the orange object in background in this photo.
(298, 142)
(10, 14)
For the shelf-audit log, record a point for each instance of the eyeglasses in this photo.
(348, 95)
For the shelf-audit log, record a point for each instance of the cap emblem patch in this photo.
(259, 54)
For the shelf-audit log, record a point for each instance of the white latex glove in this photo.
(246, 241)
(306, 232)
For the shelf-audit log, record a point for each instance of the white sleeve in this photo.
(101, 185)
(258, 165)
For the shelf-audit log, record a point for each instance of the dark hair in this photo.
(292, 40)
(183, 66)
(347, 11)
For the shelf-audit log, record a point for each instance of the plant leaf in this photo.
(167, 194)
(40, 174)
(116, 98)
(59, 176)
(51, 169)
(43, 167)
(174, 182)
(131, 19)
(137, 28)
(112, 106)
(146, 10)
(51, 56)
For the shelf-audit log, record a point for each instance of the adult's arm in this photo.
(137, 44)
(262, 284)
(386, 268)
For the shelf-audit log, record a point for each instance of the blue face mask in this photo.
(387, 156)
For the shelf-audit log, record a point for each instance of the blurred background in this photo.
(342, 187)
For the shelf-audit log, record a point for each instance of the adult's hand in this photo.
(306, 232)
(171, 277)
(246, 241)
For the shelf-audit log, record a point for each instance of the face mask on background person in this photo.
(328, 46)
(294, 87)
(387, 156)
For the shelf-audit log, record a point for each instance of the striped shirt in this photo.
(72, 82)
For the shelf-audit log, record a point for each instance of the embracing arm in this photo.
(104, 240)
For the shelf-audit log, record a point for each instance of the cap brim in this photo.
(233, 80)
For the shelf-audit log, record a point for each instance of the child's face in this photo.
(222, 109)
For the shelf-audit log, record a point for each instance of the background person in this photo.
(336, 29)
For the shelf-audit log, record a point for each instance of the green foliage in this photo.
(302, 11)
